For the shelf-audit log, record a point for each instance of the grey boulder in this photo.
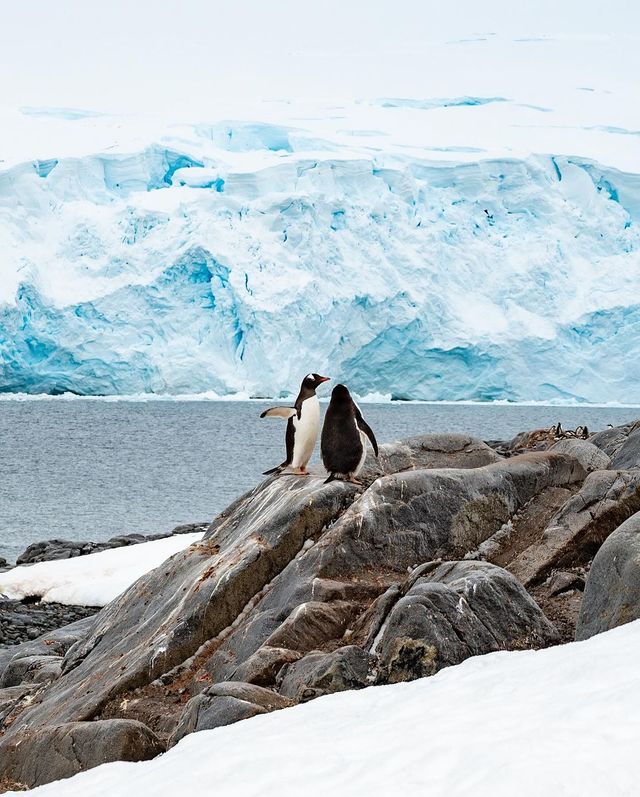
(324, 673)
(612, 592)
(588, 455)
(224, 704)
(453, 611)
(31, 669)
(62, 751)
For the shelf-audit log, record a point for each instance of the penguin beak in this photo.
(324, 378)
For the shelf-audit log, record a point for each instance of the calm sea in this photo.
(89, 469)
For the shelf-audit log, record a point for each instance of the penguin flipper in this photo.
(279, 412)
(364, 427)
(332, 478)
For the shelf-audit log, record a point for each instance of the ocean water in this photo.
(87, 469)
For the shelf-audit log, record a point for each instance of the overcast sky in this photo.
(126, 54)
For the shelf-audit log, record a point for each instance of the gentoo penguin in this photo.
(302, 425)
(343, 444)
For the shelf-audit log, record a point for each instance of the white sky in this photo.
(125, 55)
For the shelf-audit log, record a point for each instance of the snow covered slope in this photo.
(558, 721)
(475, 238)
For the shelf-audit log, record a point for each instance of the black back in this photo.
(340, 443)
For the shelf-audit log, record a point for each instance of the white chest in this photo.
(307, 427)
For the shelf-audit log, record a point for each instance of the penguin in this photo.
(303, 424)
(344, 437)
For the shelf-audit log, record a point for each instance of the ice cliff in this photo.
(235, 256)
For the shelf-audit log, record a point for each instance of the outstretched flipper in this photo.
(279, 412)
(364, 427)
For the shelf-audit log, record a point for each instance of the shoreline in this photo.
(366, 399)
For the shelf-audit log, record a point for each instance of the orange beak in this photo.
(324, 378)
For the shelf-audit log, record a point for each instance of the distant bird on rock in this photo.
(303, 424)
(343, 444)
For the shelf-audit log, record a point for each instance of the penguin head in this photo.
(313, 381)
(340, 393)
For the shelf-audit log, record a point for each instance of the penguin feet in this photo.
(353, 480)
(302, 471)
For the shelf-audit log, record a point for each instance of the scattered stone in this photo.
(50, 550)
(21, 621)
(31, 669)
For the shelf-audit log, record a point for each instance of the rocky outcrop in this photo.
(302, 588)
(612, 592)
(455, 610)
(621, 444)
(575, 533)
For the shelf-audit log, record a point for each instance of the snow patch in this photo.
(92, 580)
(491, 725)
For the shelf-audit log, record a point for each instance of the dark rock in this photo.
(457, 610)
(170, 612)
(62, 751)
(605, 500)
(29, 669)
(611, 441)
(311, 624)
(629, 454)
(49, 550)
(612, 592)
(563, 581)
(11, 697)
(190, 528)
(264, 665)
(20, 621)
(323, 673)
(55, 642)
(224, 704)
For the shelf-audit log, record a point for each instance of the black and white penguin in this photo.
(303, 425)
(343, 444)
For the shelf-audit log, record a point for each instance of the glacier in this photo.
(478, 244)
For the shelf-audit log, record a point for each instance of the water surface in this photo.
(88, 469)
